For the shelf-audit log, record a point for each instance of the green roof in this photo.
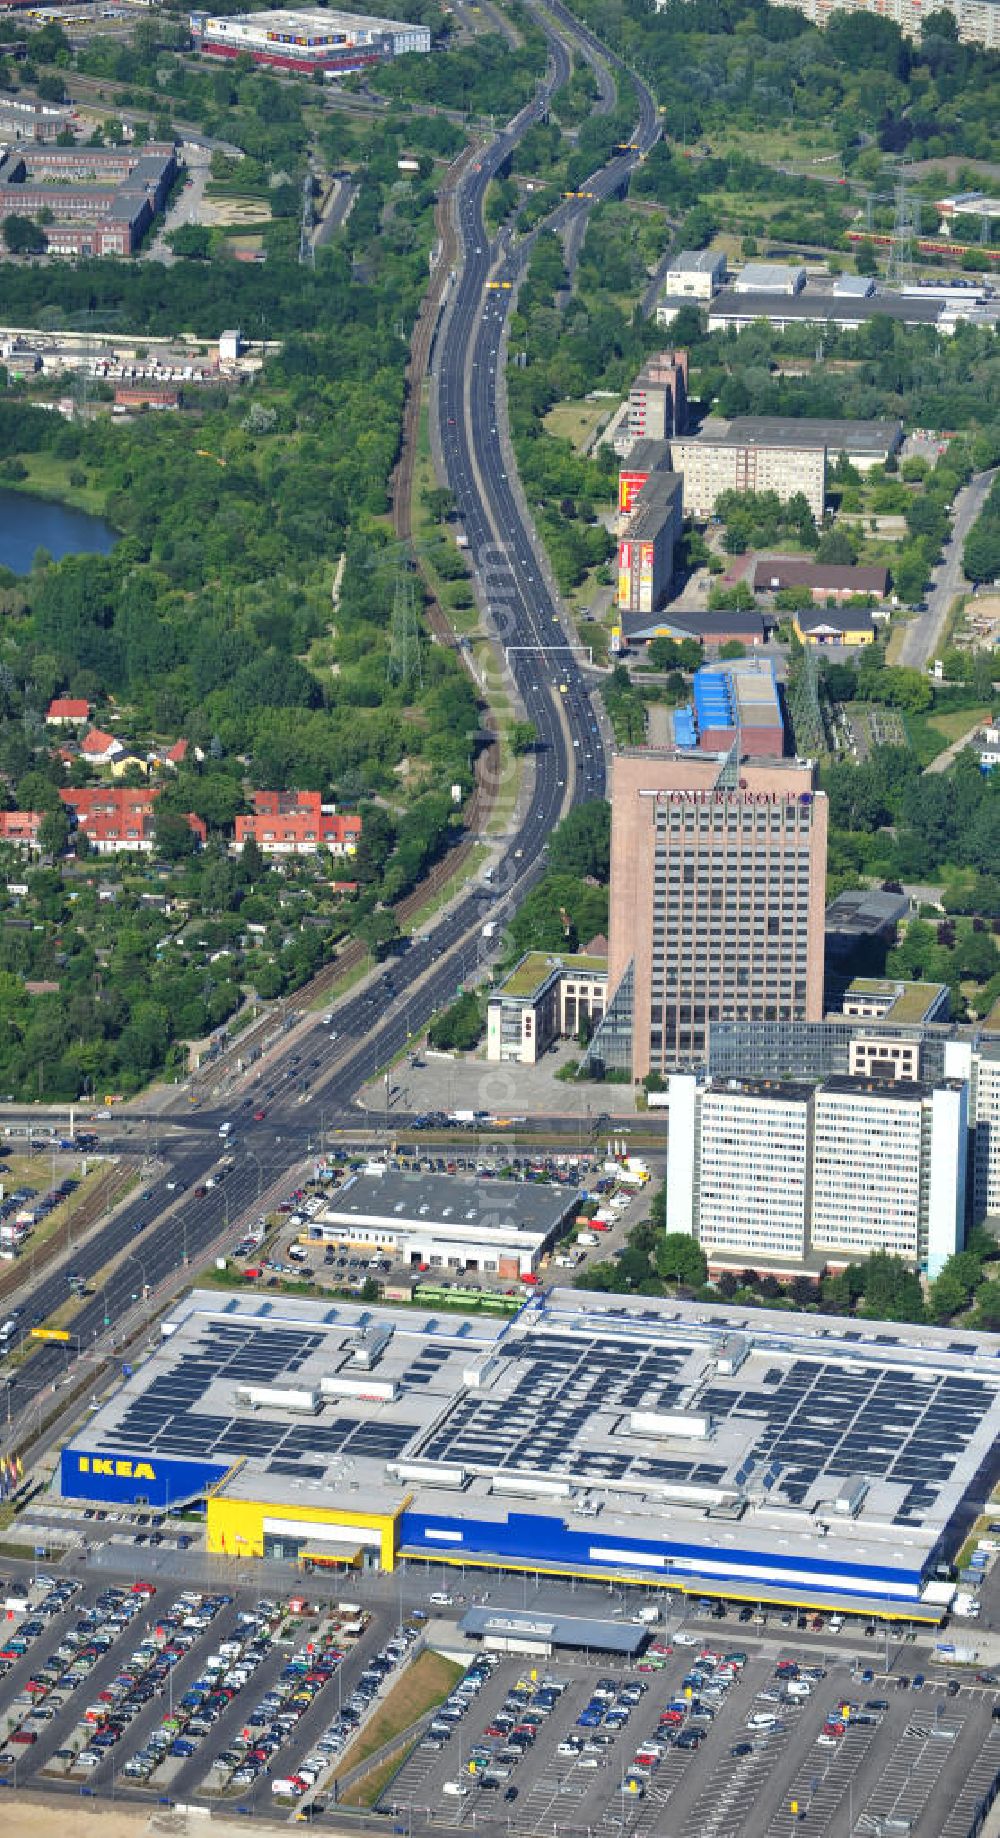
(910, 1001)
(537, 966)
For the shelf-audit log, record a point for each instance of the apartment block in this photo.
(121, 822)
(647, 544)
(783, 454)
(657, 400)
(717, 883)
(721, 459)
(297, 823)
(645, 458)
(977, 21)
(778, 1174)
(739, 1167)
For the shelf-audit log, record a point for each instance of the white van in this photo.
(457, 1789)
(761, 1720)
(440, 1600)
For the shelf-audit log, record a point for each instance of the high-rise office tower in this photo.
(718, 870)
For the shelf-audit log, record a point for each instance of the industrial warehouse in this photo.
(790, 1459)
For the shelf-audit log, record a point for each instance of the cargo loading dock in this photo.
(791, 1459)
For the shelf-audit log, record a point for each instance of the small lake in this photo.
(27, 524)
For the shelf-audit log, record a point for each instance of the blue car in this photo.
(181, 1747)
(589, 1719)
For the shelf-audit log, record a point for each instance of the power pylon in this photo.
(905, 227)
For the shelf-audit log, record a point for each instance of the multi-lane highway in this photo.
(153, 1238)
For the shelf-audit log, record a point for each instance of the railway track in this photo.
(104, 1195)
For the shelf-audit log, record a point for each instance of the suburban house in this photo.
(66, 712)
(100, 748)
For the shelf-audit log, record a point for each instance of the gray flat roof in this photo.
(696, 261)
(583, 1631)
(693, 622)
(705, 1446)
(801, 430)
(820, 308)
(448, 1200)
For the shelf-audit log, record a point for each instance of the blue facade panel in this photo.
(537, 1538)
(131, 1480)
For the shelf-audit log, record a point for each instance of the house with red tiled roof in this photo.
(297, 823)
(66, 711)
(177, 754)
(100, 748)
(119, 821)
(20, 828)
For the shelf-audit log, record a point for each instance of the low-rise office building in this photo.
(637, 630)
(823, 581)
(773, 1173)
(849, 627)
(97, 201)
(438, 1222)
(545, 998)
(695, 274)
(770, 278)
(820, 306)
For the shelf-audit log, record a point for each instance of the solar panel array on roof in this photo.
(165, 1420)
(803, 1420)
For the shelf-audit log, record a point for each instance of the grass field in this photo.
(423, 1685)
(577, 420)
(48, 477)
(954, 723)
(931, 734)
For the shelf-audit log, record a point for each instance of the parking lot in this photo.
(226, 1697)
(185, 1692)
(712, 1741)
(278, 1246)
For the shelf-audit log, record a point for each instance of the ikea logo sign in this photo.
(120, 1470)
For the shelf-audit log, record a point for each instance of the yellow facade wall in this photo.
(863, 637)
(235, 1528)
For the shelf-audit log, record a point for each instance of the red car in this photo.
(259, 1116)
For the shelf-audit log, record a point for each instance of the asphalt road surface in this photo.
(923, 634)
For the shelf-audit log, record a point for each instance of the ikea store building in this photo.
(766, 1458)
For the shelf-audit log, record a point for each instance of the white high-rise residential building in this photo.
(754, 1170)
(775, 1173)
(979, 1062)
(977, 21)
